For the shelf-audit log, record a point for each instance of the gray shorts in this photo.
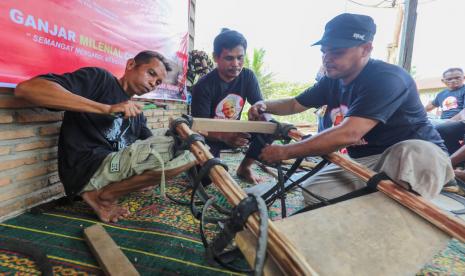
(156, 153)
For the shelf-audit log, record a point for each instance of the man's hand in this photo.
(256, 111)
(273, 153)
(128, 108)
(236, 139)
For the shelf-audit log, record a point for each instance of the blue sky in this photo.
(286, 29)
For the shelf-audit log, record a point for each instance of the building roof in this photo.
(432, 83)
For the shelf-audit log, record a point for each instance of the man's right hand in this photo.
(235, 139)
(256, 111)
(128, 108)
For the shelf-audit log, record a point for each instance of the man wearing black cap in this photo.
(376, 113)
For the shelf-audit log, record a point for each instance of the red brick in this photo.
(12, 102)
(52, 130)
(50, 156)
(5, 150)
(53, 179)
(4, 90)
(15, 134)
(10, 164)
(5, 180)
(40, 115)
(6, 118)
(37, 145)
(32, 173)
(52, 167)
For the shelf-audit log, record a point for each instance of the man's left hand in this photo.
(273, 153)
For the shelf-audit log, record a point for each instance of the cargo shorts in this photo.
(155, 153)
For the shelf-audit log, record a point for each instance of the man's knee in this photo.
(421, 164)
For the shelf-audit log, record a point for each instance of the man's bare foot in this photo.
(107, 211)
(244, 171)
(147, 190)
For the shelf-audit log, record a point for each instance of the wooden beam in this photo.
(408, 34)
(109, 255)
(288, 259)
(221, 125)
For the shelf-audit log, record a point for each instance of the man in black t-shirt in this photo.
(222, 93)
(103, 156)
(376, 113)
(450, 100)
(451, 126)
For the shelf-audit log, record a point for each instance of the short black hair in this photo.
(228, 39)
(452, 70)
(145, 57)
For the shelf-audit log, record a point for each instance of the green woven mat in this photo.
(159, 238)
(450, 261)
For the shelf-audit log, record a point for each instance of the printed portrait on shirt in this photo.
(337, 114)
(449, 103)
(230, 107)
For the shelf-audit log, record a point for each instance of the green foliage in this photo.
(276, 90)
(257, 65)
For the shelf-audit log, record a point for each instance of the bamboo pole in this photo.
(288, 259)
(447, 223)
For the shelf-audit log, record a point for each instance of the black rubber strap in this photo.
(236, 223)
(371, 187)
(204, 171)
(194, 137)
(179, 144)
(207, 166)
(184, 119)
(26, 248)
(282, 130)
(373, 182)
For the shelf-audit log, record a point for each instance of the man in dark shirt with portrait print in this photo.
(222, 93)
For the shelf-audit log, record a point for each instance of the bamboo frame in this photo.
(282, 251)
(453, 226)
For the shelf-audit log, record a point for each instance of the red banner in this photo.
(63, 35)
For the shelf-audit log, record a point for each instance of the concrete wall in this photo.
(28, 151)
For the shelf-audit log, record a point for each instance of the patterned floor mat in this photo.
(159, 238)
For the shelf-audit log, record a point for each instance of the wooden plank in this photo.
(288, 259)
(221, 125)
(247, 243)
(110, 257)
(303, 164)
(368, 235)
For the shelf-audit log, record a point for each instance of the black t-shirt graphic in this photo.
(214, 98)
(451, 102)
(87, 138)
(382, 92)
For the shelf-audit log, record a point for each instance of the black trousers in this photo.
(257, 142)
(452, 133)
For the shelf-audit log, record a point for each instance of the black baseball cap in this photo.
(348, 30)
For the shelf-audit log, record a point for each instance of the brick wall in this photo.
(28, 151)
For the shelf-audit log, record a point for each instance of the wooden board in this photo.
(220, 125)
(110, 257)
(369, 235)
